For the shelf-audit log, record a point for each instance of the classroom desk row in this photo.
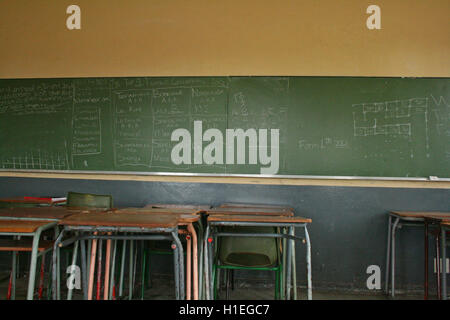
(75, 226)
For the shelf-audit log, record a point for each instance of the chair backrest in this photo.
(248, 251)
(75, 199)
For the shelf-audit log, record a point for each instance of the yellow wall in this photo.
(226, 37)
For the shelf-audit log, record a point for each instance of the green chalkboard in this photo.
(330, 126)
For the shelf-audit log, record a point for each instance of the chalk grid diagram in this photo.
(395, 119)
(38, 159)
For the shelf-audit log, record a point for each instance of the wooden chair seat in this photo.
(23, 245)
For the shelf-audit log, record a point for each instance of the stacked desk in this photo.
(132, 224)
(258, 216)
(31, 201)
(186, 217)
(397, 219)
(442, 222)
(29, 222)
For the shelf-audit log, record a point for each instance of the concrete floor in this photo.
(164, 290)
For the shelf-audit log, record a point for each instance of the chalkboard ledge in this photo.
(389, 182)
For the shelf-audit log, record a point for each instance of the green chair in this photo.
(86, 200)
(247, 253)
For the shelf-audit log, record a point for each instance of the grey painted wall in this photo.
(348, 232)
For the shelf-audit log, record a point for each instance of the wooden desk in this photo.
(120, 219)
(28, 228)
(137, 225)
(407, 218)
(257, 218)
(250, 220)
(185, 211)
(418, 215)
(31, 201)
(37, 213)
(253, 205)
(262, 211)
(185, 217)
(178, 206)
(442, 221)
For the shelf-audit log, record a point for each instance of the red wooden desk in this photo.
(262, 211)
(272, 217)
(28, 228)
(102, 224)
(406, 218)
(186, 216)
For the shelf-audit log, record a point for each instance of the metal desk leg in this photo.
(41, 278)
(444, 264)
(176, 266)
(388, 254)
(188, 266)
(74, 261)
(283, 272)
(113, 270)
(200, 260)
(393, 257)
(426, 260)
(92, 268)
(99, 269)
(308, 263)
(438, 265)
(55, 269)
(181, 262)
(206, 264)
(135, 262)
(13, 274)
(122, 267)
(89, 253)
(191, 229)
(107, 269)
(288, 267)
(58, 274)
(130, 275)
(294, 268)
(84, 268)
(211, 255)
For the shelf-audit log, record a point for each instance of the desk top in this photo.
(177, 206)
(263, 211)
(257, 218)
(21, 226)
(182, 215)
(45, 213)
(421, 214)
(32, 200)
(114, 219)
(185, 211)
(253, 205)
